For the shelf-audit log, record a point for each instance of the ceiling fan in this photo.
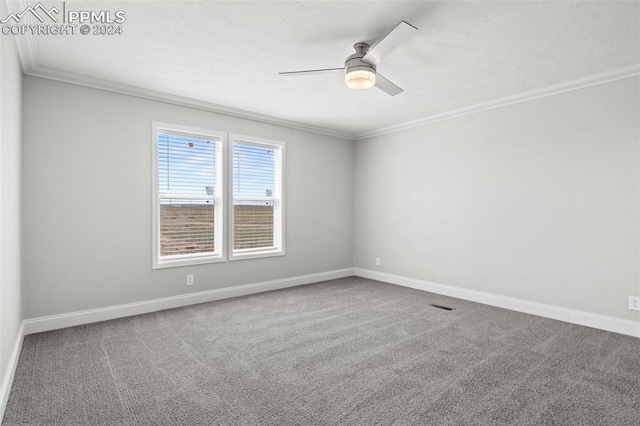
(360, 68)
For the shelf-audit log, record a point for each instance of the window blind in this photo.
(187, 194)
(255, 197)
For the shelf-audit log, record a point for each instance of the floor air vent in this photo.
(446, 308)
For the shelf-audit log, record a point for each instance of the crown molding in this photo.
(25, 43)
(28, 54)
(29, 59)
(111, 86)
(568, 86)
(30, 66)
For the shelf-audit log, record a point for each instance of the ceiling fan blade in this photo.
(320, 71)
(388, 44)
(387, 86)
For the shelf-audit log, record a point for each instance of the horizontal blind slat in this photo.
(253, 225)
(186, 229)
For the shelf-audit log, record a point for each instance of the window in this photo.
(257, 214)
(195, 178)
(188, 213)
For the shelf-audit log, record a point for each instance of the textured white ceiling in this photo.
(230, 53)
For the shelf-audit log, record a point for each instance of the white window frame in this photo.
(220, 212)
(278, 199)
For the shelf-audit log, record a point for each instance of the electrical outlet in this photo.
(190, 280)
(377, 261)
(634, 303)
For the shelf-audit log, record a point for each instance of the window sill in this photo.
(187, 261)
(256, 254)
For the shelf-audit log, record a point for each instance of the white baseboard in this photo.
(602, 322)
(7, 380)
(54, 322)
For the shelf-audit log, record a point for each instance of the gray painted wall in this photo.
(538, 200)
(10, 124)
(87, 201)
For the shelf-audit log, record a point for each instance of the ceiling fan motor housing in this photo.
(355, 62)
(359, 74)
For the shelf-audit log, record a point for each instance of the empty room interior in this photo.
(319, 212)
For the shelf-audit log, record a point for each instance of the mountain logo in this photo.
(37, 11)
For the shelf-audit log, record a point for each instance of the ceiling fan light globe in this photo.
(360, 79)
